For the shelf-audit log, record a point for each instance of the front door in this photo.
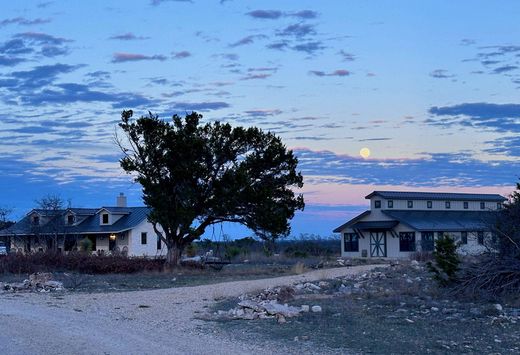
(378, 244)
(111, 243)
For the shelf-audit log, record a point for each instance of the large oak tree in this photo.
(195, 175)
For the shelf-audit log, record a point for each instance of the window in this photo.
(351, 242)
(143, 238)
(377, 204)
(480, 237)
(440, 234)
(463, 237)
(70, 219)
(427, 241)
(482, 205)
(410, 204)
(499, 205)
(466, 205)
(390, 204)
(159, 244)
(104, 217)
(428, 204)
(36, 220)
(406, 241)
(448, 205)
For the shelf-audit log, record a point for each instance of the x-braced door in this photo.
(378, 244)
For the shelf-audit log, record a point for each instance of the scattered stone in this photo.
(316, 309)
(305, 308)
(434, 309)
(39, 282)
(280, 319)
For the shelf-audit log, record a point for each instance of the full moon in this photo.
(364, 152)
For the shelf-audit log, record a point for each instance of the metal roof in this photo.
(350, 222)
(446, 221)
(374, 225)
(132, 217)
(410, 195)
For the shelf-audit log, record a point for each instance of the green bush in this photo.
(232, 252)
(85, 244)
(446, 261)
(191, 250)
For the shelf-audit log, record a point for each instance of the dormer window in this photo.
(104, 218)
(466, 205)
(482, 205)
(36, 220)
(70, 219)
(377, 204)
(410, 204)
(390, 204)
(428, 204)
(448, 205)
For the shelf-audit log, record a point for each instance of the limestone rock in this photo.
(316, 309)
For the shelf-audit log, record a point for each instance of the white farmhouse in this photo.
(401, 223)
(118, 229)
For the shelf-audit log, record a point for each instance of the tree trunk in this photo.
(173, 256)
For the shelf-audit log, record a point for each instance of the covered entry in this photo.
(377, 232)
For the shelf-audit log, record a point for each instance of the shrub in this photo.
(232, 252)
(79, 262)
(85, 244)
(191, 250)
(446, 260)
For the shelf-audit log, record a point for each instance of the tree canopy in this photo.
(195, 175)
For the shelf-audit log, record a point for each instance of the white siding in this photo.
(150, 248)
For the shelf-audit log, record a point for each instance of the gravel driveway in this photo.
(138, 322)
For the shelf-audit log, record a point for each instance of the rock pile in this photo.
(38, 282)
(267, 304)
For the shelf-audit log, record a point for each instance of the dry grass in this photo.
(298, 268)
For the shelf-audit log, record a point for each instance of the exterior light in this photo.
(112, 237)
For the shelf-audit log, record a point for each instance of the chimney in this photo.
(121, 200)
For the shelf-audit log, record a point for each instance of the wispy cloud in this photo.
(338, 72)
(247, 40)
(181, 55)
(265, 14)
(304, 14)
(441, 74)
(199, 106)
(24, 21)
(129, 36)
(297, 30)
(42, 38)
(346, 57)
(134, 57)
(276, 14)
(455, 169)
(499, 117)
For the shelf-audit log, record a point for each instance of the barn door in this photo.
(378, 244)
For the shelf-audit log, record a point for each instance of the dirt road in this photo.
(140, 322)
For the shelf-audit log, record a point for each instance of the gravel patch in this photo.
(162, 321)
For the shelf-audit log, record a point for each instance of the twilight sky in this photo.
(430, 87)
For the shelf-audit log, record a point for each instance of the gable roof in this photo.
(446, 221)
(83, 211)
(410, 195)
(351, 222)
(132, 217)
